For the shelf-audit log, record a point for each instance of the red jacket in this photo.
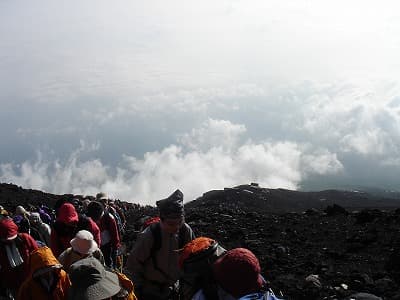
(61, 234)
(14, 277)
(95, 230)
(109, 230)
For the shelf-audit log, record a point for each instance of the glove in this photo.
(117, 258)
(119, 261)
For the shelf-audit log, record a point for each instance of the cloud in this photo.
(360, 118)
(213, 133)
(196, 165)
(321, 162)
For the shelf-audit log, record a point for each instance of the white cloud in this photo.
(321, 162)
(66, 52)
(213, 133)
(137, 70)
(360, 118)
(204, 166)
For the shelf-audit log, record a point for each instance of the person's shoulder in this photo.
(25, 236)
(186, 228)
(92, 223)
(44, 225)
(199, 295)
(67, 251)
(110, 215)
(145, 235)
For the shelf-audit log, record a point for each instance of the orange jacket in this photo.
(127, 284)
(31, 289)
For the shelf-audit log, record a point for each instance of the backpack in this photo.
(148, 221)
(196, 261)
(23, 224)
(155, 229)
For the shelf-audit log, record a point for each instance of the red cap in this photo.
(67, 214)
(238, 272)
(8, 229)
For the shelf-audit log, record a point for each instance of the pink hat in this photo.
(67, 214)
(238, 272)
(8, 229)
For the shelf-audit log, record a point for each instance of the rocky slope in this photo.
(309, 247)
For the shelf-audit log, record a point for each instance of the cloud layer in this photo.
(196, 165)
(138, 98)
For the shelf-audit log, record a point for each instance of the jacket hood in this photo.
(43, 258)
(67, 214)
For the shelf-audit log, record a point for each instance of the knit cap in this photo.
(238, 272)
(172, 206)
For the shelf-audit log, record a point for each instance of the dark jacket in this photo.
(148, 279)
(13, 277)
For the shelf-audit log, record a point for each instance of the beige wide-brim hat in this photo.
(84, 243)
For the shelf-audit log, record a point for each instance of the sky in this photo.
(139, 98)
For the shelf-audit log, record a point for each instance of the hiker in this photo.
(238, 276)
(15, 249)
(153, 262)
(67, 224)
(82, 246)
(119, 215)
(110, 240)
(85, 204)
(46, 214)
(111, 208)
(40, 231)
(47, 279)
(21, 218)
(196, 260)
(3, 213)
(91, 281)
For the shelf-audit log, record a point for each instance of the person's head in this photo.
(83, 243)
(95, 210)
(85, 204)
(67, 214)
(238, 272)
(8, 230)
(34, 218)
(3, 212)
(76, 203)
(20, 210)
(91, 281)
(171, 212)
(102, 197)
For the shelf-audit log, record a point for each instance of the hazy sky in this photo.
(138, 98)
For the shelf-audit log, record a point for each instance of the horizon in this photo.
(134, 98)
(371, 191)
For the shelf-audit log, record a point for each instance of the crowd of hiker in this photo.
(74, 251)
